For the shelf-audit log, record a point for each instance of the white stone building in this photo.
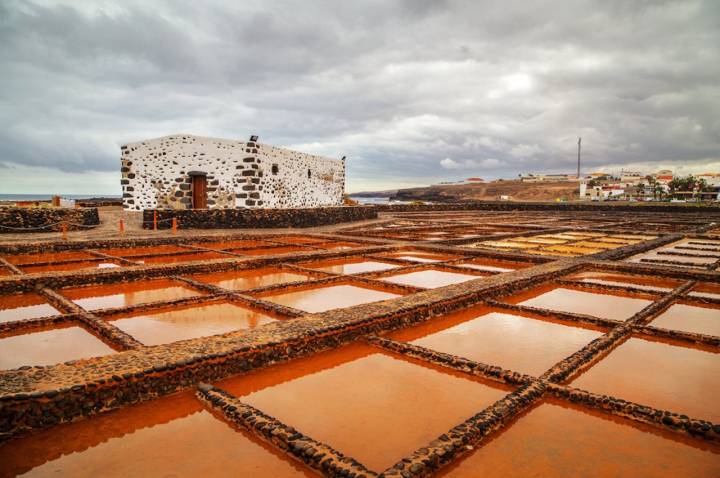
(184, 172)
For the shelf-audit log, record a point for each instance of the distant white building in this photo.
(631, 177)
(536, 178)
(712, 179)
(191, 172)
(664, 176)
(598, 193)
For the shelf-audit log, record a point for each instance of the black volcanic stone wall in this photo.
(257, 218)
(16, 219)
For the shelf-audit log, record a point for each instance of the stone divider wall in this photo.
(257, 218)
(14, 220)
(99, 202)
(312, 217)
(548, 206)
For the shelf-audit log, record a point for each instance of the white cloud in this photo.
(42, 180)
(525, 150)
(448, 163)
(512, 82)
(488, 163)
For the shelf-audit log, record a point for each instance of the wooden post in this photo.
(174, 226)
(154, 220)
(122, 227)
(64, 231)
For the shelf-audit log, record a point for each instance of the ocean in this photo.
(373, 200)
(47, 197)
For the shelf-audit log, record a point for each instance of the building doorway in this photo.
(199, 190)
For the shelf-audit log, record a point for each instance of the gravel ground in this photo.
(109, 229)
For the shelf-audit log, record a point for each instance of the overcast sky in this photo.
(412, 92)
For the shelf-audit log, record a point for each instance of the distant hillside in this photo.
(374, 194)
(516, 190)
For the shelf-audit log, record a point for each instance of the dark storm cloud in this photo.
(410, 91)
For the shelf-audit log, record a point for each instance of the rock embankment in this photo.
(14, 220)
(515, 190)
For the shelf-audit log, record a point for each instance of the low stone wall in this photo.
(549, 206)
(100, 202)
(257, 218)
(18, 219)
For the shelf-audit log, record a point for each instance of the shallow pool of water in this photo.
(701, 319)
(373, 406)
(219, 245)
(250, 279)
(48, 347)
(127, 294)
(510, 341)
(557, 439)
(606, 306)
(706, 289)
(24, 306)
(429, 279)
(200, 256)
(165, 326)
(661, 375)
(168, 437)
(350, 266)
(421, 257)
(339, 245)
(656, 284)
(321, 299)
(264, 251)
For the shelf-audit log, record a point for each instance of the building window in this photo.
(274, 168)
(308, 173)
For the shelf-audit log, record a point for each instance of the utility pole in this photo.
(578, 172)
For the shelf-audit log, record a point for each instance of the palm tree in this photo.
(640, 189)
(700, 185)
(658, 190)
(652, 182)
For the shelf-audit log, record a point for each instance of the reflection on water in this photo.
(420, 257)
(265, 251)
(562, 440)
(625, 280)
(230, 244)
(356, 266)
(24, 306)
(190, 322)
(127, 294)
(668, 377)
(690, 318)
(168, 437)
(373, 406)
(513, 342)
(250, 279)
(430, 278)
(201, 256)
(605, 306)
(49, 347)
(706, 289)
(327, 298)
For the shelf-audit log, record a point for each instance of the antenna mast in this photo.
(578, 171)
